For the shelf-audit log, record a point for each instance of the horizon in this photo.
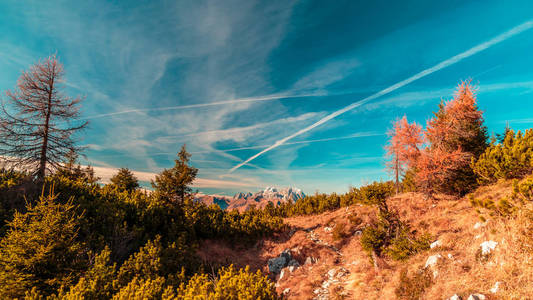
(270, 94)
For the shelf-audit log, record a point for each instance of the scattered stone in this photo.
(291, 268)
(328, 229)
(277, 263)
(496, 287)
(286, 291)
(331, 273)
(293, 263)
(358, 232)
(477, 236)
(292, 232)
(450, 256)
(487, 247)
(477, 297)
(479, 225)
(455, 297)
(432, 260)
(436, 243)
(281, 274)
(310, 260)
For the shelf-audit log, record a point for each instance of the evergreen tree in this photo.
(73, 170)
(124, 180)
(513, 158)
(40, 249)
(174, 184)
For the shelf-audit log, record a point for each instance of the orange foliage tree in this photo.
(440, 155)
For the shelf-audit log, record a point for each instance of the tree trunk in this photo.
(42, 166)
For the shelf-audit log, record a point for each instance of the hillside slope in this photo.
(332, 264)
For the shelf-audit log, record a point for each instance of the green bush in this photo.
(392, 237)
(339, 232)
(230, 284)
(513, 158)
(40, 249)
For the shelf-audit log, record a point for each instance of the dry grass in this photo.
(447, 219)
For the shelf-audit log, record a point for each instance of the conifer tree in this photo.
(174, 184)
(40, 249)
(37, 127)
(73, 170)
(124, 180)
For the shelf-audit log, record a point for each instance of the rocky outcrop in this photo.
(285, 259)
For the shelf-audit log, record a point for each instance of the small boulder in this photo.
(479, 225)
(432, 260)
(477, 297)
(293, 263)
(331, 273)
(455, 297)
(276, 264)
(487, 247)
(281, 274)
(286, 291)
(495, 288)
(436, 243)
(310, 260)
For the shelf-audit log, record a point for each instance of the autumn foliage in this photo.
(440, 155)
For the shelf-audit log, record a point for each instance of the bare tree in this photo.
(39, 121)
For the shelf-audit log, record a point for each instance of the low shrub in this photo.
(413, 287)
(339, 232)
(392, 237)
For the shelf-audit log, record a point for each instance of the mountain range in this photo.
(243, 201)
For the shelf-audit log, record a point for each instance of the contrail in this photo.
(450, 61)
(233, 101)
(351, 136)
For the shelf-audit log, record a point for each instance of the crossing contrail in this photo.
(446, 63)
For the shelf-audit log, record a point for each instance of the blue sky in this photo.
(233, 78)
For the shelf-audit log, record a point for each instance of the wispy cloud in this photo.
(105, 173)
(351, 136)
(200, 105)
(448, 62)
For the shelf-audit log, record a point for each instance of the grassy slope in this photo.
(449, 220)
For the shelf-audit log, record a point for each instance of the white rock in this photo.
(435, 274)
(450, 256)
(328, 229)
(478, 225)
(477, 236)
(436, 243)
(455, 297)
(332, 272)
(291, 268)
(487, 247)
(496, 287)
(281, 274)
(432, 260)
(316, 291)
(286, 291)
(477, 297)
(325, 284)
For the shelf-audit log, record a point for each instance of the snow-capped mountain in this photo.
(243, 201)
